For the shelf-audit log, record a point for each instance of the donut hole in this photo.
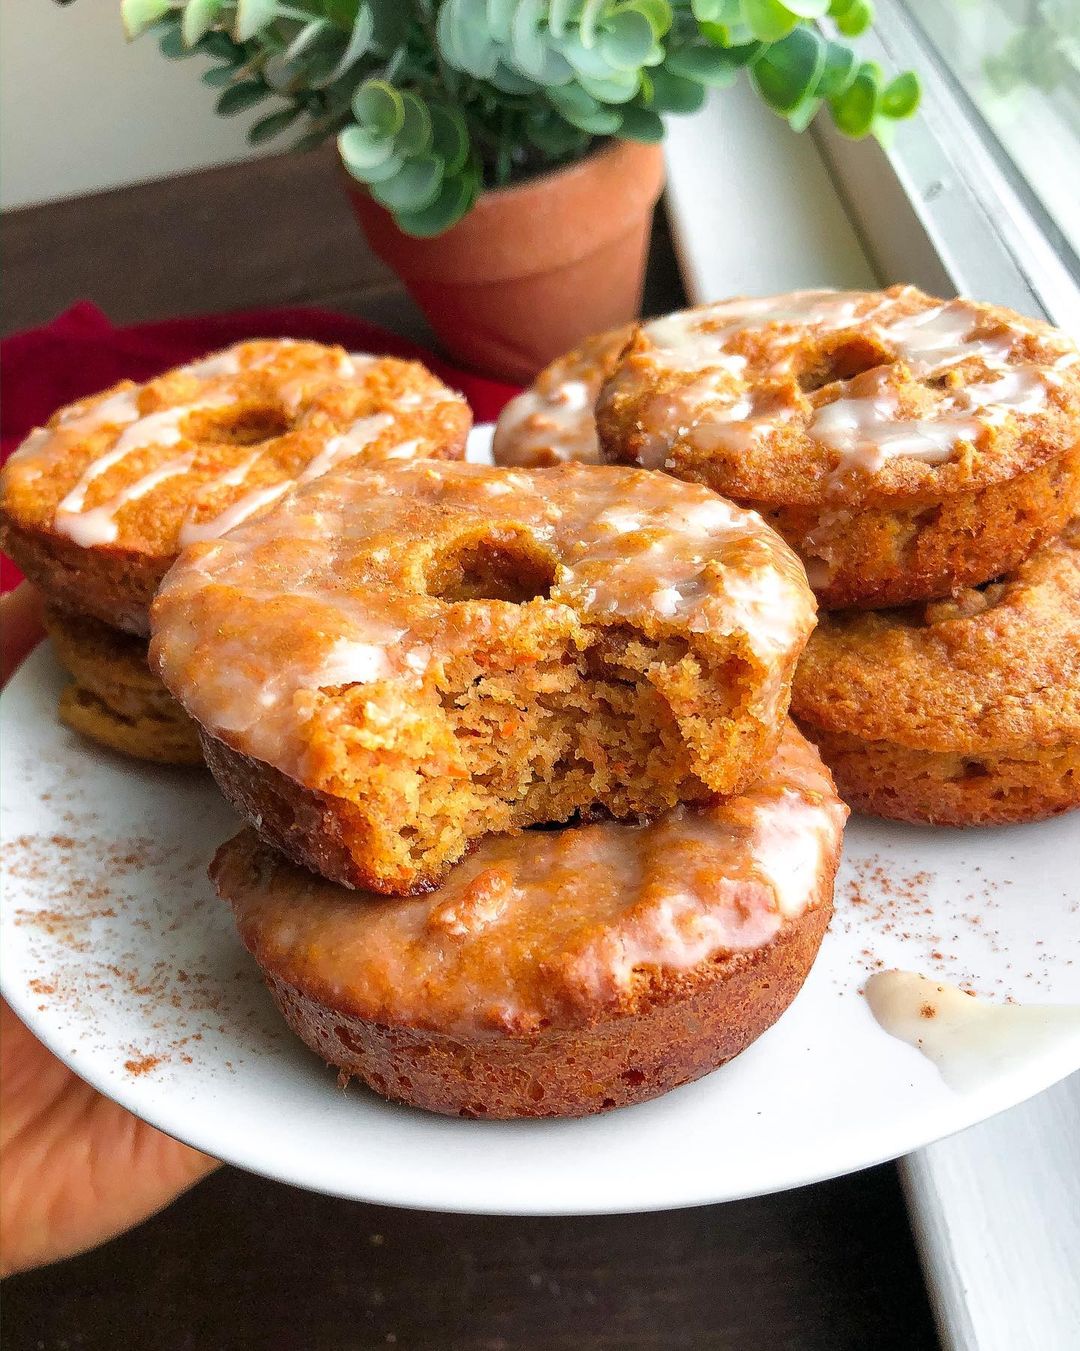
(243, 424)
(506, 566)
(840, 359)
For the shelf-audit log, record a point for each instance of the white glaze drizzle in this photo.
(869, 431)
(350, 442)
(98, 525)
(787, 837)
(218, 364)
(233, 515)
(115, 411)
(156, 429)
(969, 1040)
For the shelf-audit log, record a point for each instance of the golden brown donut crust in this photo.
(96, 506)
(978, 424)
(114, 699)
(951, 788)
(553, 421)
(558, 973)
(963, 710)
(888, 556)
(569, 1073)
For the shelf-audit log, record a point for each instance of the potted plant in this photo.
(502, 154)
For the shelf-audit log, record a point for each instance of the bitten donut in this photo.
(114, 698)
(562, 972)
(396, 661)
(95, 506)
(959, 712)
(553, 420)
(904, 446)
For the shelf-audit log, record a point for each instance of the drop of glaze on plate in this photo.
(969, 1040)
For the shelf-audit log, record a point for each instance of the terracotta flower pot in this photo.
(534, 267)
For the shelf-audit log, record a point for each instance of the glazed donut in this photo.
(397, 661)
(95, 506)
(553, 420)
(958, 712)
(903, 445)
(114, 699)
(563, 972)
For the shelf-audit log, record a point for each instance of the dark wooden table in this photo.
(242, 1262)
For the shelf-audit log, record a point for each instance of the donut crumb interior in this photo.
(609, 723)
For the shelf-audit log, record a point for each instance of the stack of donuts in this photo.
(529, 832)
(923, 459)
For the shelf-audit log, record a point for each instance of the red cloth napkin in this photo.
(81, 352)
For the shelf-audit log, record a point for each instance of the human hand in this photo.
(75, 1168)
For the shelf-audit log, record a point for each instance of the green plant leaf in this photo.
(585, 60)
(219, 76)
(414, 188)
(641, 124)
(618, 86)
(199, 17)
(675, 94)
(552, 134)
(581, 110)
(415, 134)
(627, 39)
(383, 172)
(221, 47)
(741, 55)
(308, 34)
(703, 62)
(900, 97)
(273, 125)
(239, 97)
(252, 16)
(804, 113)
(171, 44)
(788, 72)
(533, 55)
(500, 14)
(723, 12)
(855, 19)
(362, 150)
(139, 15)
(455, 198)
(841, 63)
(360, 39)
(590, 17)
(509, 81)
(855, 109)
(379, 107)
(464, 38)
(449, 138)
(768, 20)
(659, 14)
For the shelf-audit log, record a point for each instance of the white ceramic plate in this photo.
(118, 955)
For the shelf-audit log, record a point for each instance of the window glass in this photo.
(1018, 64)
